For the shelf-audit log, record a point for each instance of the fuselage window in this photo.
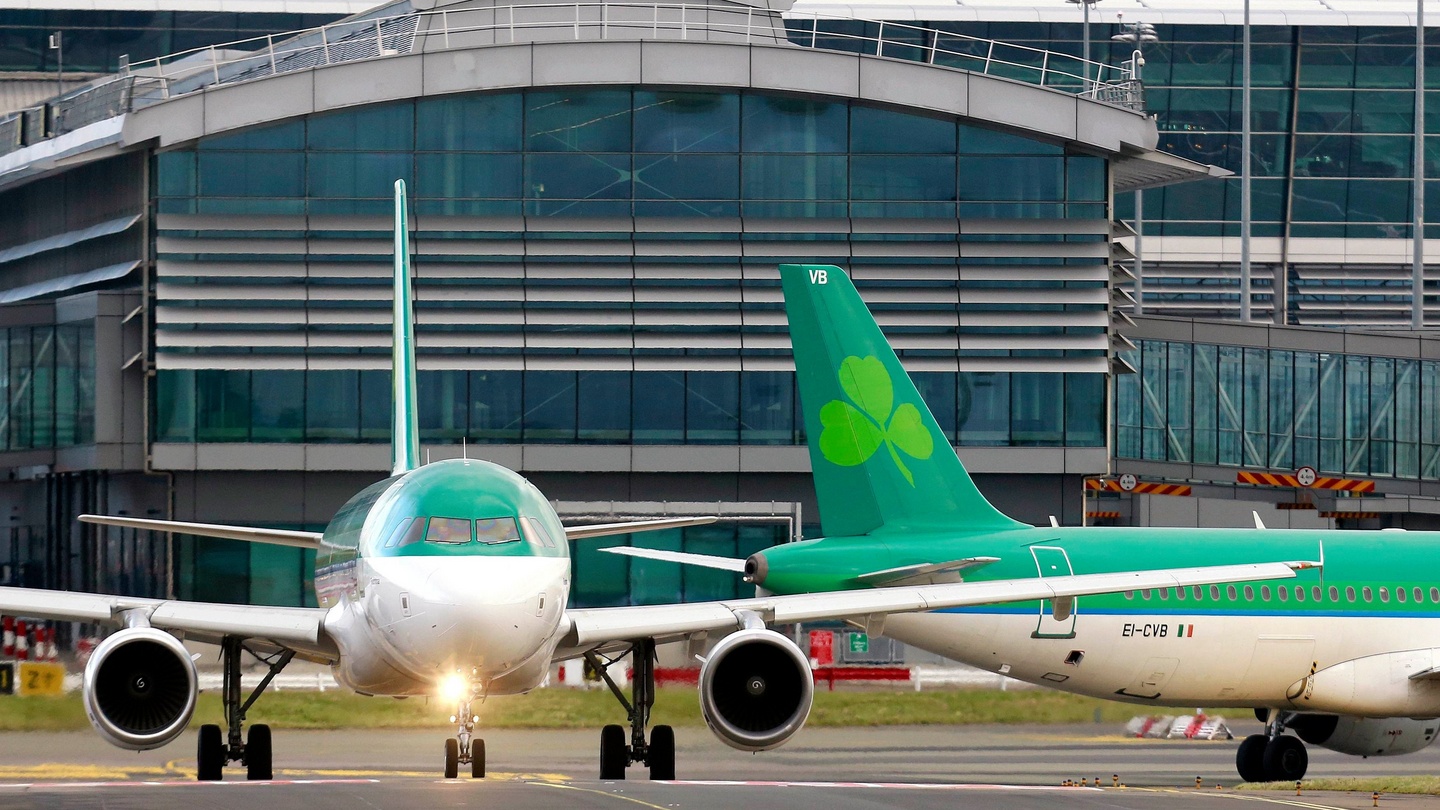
(1145, 594)
(1300, 593)
(1180, 593)
(1384, 594)
(1199, 593)
(1349, 593)
(1400, 594)
(1435, 595)
(1129, 594)
(1367, 594)
(1265, 593)
(493, 531)
(1164, 593)
(1316, 593)
(1419, 595)
(1249, 593)
(1282, 592)
(1215, 593)
(1335, 594)
(1230, 592)
(407, 531)
(448, 531)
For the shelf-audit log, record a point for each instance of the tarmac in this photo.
(1019, 767)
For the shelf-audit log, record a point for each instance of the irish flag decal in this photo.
(1184, 630)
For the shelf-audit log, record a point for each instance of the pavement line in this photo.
(631, 799)
(882, 785)
(1220, 794)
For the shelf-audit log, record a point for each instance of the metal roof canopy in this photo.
(1154, 169)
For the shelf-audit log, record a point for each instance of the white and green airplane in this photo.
(452, 578)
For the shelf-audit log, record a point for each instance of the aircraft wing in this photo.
(604, 529)
(278, 537)
(299, 629)
(589, 627)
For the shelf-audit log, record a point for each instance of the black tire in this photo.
(1286, 759)
(614, 756)
(209, 755)
(477, 759)
(662, 753)
(258, 752)
(452, 758)
(1250, 758)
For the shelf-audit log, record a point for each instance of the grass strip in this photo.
(575, 709)
(1428, 785)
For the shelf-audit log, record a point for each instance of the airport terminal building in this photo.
(195, 261)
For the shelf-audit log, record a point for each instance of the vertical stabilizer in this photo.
(404, 430)
(880, 461)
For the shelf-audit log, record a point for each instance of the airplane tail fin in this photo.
(880, 460)
(404, 427)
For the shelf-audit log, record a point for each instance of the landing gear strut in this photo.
(212, 754)
(659, 753)
(1272, 756)
(465, 748)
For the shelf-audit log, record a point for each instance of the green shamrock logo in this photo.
(852, 434)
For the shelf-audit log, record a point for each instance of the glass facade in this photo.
(612, 580)
(1238, 406)
(601, 407)
(47, 386)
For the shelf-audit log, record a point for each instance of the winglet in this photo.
(1303, 565)
(1259, 524)
(404, 430)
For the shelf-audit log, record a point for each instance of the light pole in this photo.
(57, 44)
(1417, 268)
(1137, 33)
(1085, 35)
(1245, 172)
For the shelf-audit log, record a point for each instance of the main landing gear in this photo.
(659, 753)
(1272, 756)
(212, 754)
(465, 748)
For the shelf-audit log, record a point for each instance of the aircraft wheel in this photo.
(209, 754)
(452, 758)
(477, 759)
(1286, 759)
(662, 753)
(1250, 758)
(258, 754)
(613, 754)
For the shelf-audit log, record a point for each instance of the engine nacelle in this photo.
(1365, 736)
(140, 688)
(755, 690)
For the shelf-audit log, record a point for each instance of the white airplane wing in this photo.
(299, 629)
(590, 627)
(279, 537)
(604, 529)
(682, 557)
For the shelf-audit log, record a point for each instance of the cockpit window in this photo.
(407, 531)
(493, 531)
(449, 531)
(535, 531)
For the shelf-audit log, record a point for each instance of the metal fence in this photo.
(144, 83)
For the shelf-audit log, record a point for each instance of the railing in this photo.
(144, 83)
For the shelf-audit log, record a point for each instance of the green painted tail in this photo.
(879, 459)
(404, 428)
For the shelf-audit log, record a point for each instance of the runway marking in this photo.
(606, 793)
(57, 774)
(1220, 794)
(879, 785)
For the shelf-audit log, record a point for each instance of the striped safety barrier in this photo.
(1136, 487)
(1266, 479)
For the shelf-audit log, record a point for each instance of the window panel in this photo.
(1085, 410)
(496, 411)
(378, 128)
(347, 175)
(174, 405)
(794, 177)
(252, 174)
(783, 124)
(549, 406)
(376, 402)
(441, 404)
(984, 410)
(767, 408)
(1037, 417)
(603, 406)
(687, 177)
(937, 390)
(659, 402)
(1205, 394)
(470, 123)
(577, 121)
(712, 405)
(277, 406)
(222, 400)
(905, 178)
(1029, 178)
(486, 176)
(557, 180)
(332, 406)
(872, 131)
(686, 122)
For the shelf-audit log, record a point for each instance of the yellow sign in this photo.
(36, 678)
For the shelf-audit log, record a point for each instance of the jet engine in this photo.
(140, 687)
(755, 689)
(1365, 736)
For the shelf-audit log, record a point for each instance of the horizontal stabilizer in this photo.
(702, 560)
(603, 529)
(925, 573)
(277, 537)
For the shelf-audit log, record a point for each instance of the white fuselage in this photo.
(413, 620)
(1332, 664)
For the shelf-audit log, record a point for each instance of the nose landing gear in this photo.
(465, 748)
(659, 752)
(1272, 756)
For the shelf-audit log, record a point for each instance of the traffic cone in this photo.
(22, 641)
(8, 650)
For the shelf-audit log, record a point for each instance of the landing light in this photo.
(454, 687)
